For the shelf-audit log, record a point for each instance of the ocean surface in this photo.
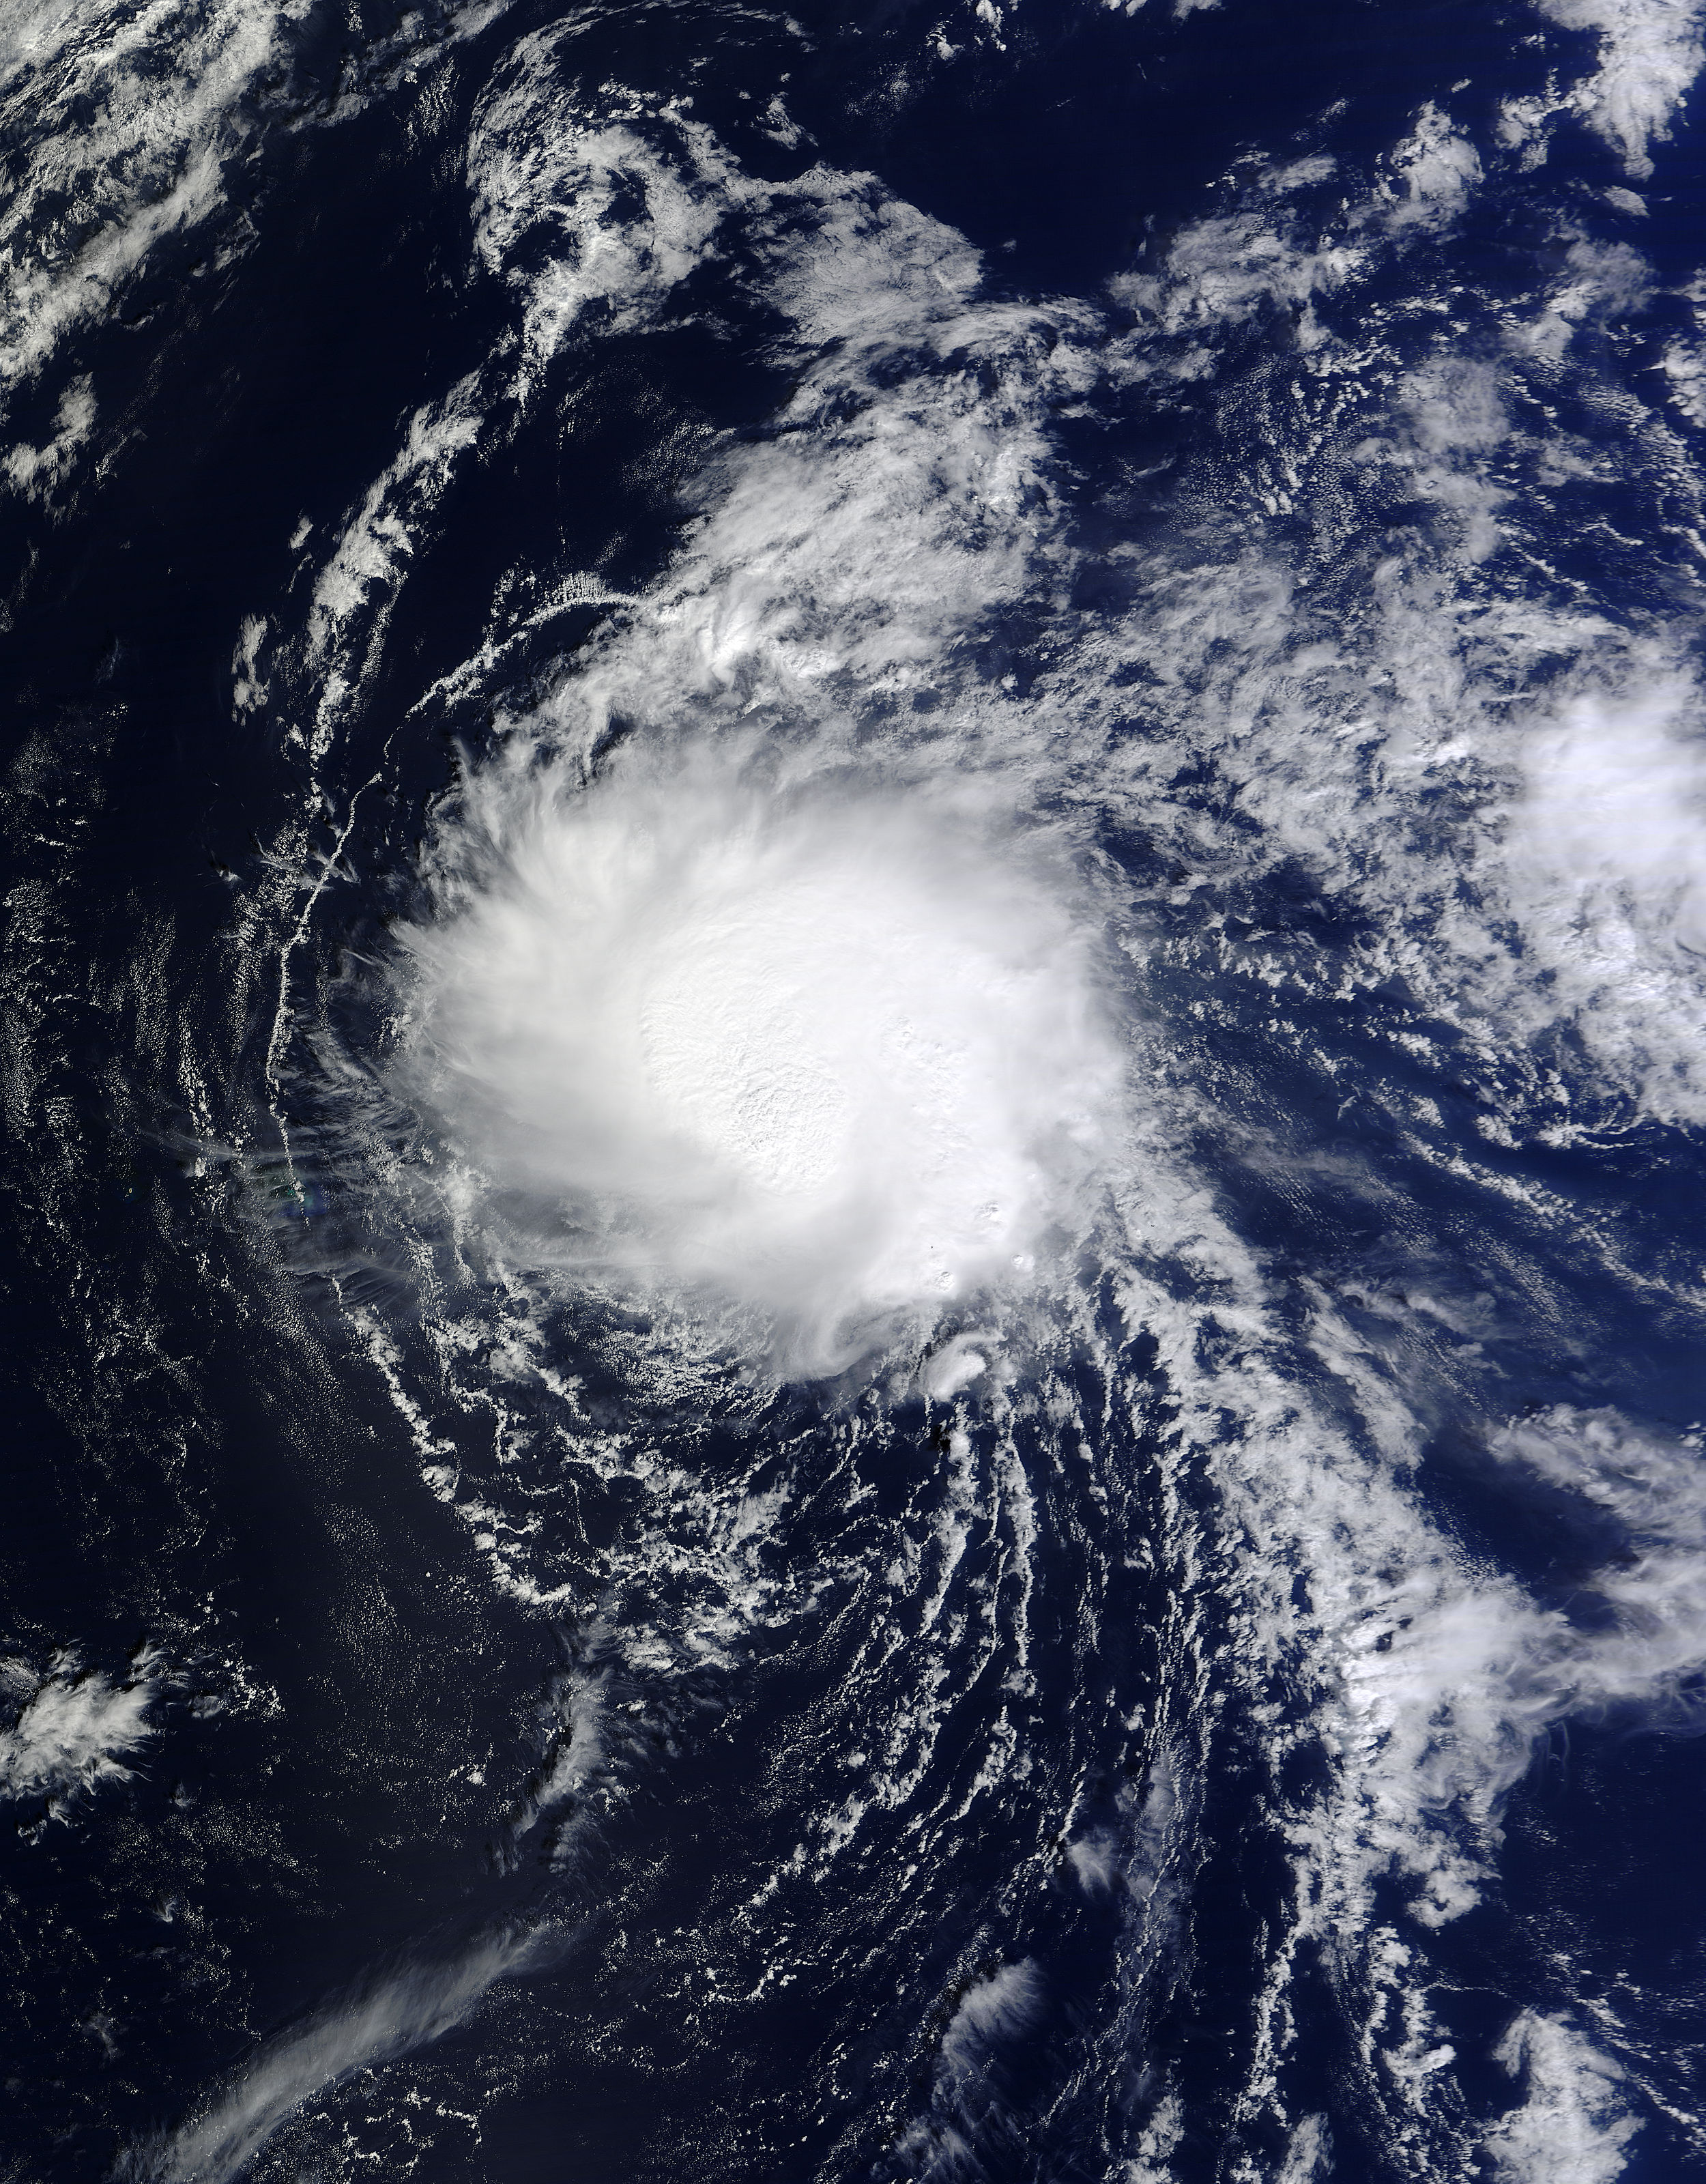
(852, 1026)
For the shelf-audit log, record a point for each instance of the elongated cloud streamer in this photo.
(822, 1051)
(410, 2009)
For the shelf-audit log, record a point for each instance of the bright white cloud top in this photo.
(822, 1051)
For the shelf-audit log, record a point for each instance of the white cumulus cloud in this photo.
(72, 1730)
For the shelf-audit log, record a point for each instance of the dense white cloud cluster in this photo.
(1572, 2126)
(72, 1728)
(1650, 53)
(824, 1049)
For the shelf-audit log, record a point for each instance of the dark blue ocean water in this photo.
(1134, 576)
